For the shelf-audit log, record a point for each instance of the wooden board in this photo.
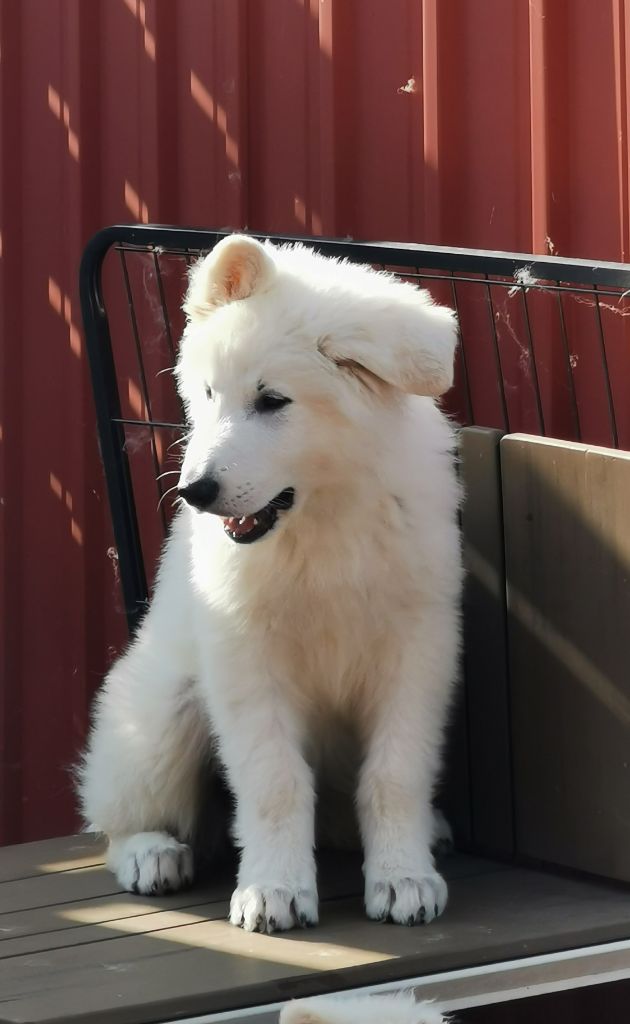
(567, 537)
(485, 655)
(49, 856)
(476, 792)
(132, 960)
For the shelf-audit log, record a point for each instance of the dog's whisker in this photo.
(180, 440)
(168, 472)
(166, 493)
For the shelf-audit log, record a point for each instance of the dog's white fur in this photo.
(346, 612)
(400, 1008)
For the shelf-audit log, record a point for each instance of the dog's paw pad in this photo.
(407, 901)
(151, 863)
(273, 908)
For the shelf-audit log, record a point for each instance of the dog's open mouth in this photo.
(247, 529)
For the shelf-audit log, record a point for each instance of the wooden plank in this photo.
(80, 924)
(453, 795)
(63, 887)
(49, 856)
(528, 977)
(485, 655)
(72, 923)
(47, 927)
(567, 531)
(44, 892)
(193, 966)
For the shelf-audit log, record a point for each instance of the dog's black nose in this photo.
(200, 493)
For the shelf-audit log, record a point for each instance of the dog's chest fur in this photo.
(327, 607)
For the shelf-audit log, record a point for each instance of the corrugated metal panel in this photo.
(499, 124)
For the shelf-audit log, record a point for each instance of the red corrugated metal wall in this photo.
(495, 123)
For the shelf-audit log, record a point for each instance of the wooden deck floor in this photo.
(74, 948)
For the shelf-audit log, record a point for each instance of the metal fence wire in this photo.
(544, 350)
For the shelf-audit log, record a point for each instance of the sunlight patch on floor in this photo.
(188, 929)
(92, 862)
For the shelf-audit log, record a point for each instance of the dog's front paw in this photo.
(273, 908)
(152, 863)
(406, 900)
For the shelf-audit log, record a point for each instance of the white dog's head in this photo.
(285, 358)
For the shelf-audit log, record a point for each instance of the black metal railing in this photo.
(544, 349)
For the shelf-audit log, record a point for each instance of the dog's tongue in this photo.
(240, 526)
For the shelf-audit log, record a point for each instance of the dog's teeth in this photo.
(255, 521)
(242, 520)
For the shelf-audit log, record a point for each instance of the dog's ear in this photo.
(404, 339)
(237, 267)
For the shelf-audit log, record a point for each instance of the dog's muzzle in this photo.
(203, 493)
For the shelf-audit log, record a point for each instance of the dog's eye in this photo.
(208, 391)
(270, 402)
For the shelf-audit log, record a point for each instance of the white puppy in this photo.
(309, 588)
(401, 1008)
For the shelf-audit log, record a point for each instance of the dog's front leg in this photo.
(398, 777)
(260, 745)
